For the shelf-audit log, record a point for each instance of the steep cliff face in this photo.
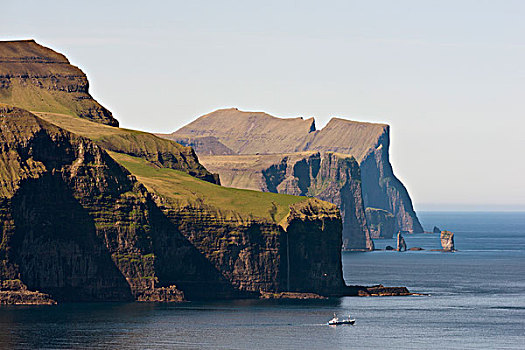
(64, 202)
(382, 223)
(251, 134)
(256, 255)
(250, 237)
(331, 177)
(37, 78)
(309, 231)
(382, 189)
(77, 226)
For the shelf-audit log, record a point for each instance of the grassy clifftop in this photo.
(182, 189)
(173, 171)
(161, 152)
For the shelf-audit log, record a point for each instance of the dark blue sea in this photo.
(476, 301)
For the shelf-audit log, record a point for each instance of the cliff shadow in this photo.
(56, 248)
(178, 262)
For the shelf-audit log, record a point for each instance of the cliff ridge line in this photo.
(38, 78)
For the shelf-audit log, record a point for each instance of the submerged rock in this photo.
(291, 295)
(401, 244)
(382, 291)
(447, 241)
(388, 247)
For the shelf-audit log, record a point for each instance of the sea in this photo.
(475, 300)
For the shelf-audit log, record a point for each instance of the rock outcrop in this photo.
(251, 134)
(401, 244)
(436, 230)
(78, 226)
(329, 176)
(37, 78)
(380, 290)
(160, 152)
(380, 222)
(14, 292)
(447, 241)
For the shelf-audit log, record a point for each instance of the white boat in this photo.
(336, 321)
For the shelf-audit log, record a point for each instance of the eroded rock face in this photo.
(249, 134)
(14, 292)
(255, 255)
(380, 222)
(37, 78)
(401, 244)
(310, 228)
(331, 177)
(447, 241)
(77, 226)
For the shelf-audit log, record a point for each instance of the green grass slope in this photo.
(161, 152)
(36, 78)
(182, 189)
(139, 152)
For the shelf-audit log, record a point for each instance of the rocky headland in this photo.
(266, 153)
(79, 226)
(91, 212)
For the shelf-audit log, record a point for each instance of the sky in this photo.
(448, 76)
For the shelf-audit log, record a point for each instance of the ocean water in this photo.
(476, 301)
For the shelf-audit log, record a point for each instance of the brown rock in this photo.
(380, 222)
(447, 241)
(401, 244)
(303, 174)
(128, 244)
(14, 292)
(37, 78)
(291, 295)
(252, 133)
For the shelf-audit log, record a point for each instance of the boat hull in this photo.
(351, 322)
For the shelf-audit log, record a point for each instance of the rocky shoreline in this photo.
(15, 293)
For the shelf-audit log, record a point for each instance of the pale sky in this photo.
(448, 76)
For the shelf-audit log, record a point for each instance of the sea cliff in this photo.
(257, 149)
(78, 226)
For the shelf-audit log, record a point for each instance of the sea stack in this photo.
(447, 241)
(436, 229)
(401, 244)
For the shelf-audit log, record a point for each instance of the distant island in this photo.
(345, 163)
